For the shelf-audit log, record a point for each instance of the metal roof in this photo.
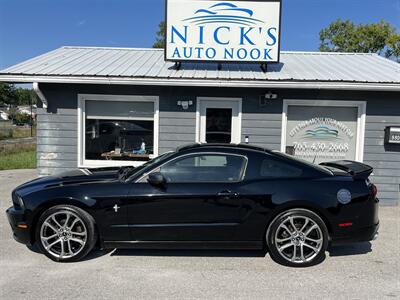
(147, 66)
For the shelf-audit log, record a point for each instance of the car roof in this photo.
(221, 145)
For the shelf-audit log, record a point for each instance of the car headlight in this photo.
(18, 201)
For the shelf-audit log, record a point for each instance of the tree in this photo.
(16, 96)
(160, 36)
(345, 36)
(25, 96)
(7, 93)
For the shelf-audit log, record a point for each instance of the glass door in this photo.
(218, 125)
(219, 121)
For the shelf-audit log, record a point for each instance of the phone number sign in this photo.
(321, 138)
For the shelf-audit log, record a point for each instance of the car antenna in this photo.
(315, 157)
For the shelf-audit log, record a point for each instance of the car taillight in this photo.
(374, 190)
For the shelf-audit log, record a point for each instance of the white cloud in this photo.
(81, 23)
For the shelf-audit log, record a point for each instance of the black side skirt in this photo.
(217, 245)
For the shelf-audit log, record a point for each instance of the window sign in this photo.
(322, 133)
(225, 31)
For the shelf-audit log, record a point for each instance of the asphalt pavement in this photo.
(360, 271)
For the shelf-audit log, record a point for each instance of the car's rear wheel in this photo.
(297, 238)
(65, 233)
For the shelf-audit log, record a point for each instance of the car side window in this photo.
(205, 168)
(272, 168)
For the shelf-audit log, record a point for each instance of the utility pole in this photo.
(30, 102)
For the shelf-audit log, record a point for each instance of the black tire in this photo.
(295, 253)
(88, 225)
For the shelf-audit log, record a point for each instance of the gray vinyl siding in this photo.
(57, 138)
(262, 124)
(384, 158)
(57, 141)
(176, 129)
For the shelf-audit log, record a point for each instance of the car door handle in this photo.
(228, 194)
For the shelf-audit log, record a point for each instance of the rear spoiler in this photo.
(356, 169)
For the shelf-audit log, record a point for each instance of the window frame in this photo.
(143, 178)
(91, 163)
(218, 102)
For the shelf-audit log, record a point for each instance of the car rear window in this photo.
(272, 168)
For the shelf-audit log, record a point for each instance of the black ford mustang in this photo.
(201, 196)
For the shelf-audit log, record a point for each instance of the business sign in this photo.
(322, 133)
(223, 31)
(392, 135)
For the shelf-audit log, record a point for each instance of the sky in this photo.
(31, 27)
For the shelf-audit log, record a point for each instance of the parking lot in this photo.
(366, 270)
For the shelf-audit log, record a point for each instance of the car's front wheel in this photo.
(65, 233)
(297, 238)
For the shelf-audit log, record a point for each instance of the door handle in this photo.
(228, 194)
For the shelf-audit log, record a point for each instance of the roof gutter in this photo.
(41, 96)
(331, 85)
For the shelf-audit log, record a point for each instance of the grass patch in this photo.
(25, 159)
(15, 132)
(22, 132)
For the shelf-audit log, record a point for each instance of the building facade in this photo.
(111, 107)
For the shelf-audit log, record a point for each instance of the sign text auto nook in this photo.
(236, 31)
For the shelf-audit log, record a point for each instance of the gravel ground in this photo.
(365, 270)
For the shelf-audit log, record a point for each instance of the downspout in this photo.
(40, 94)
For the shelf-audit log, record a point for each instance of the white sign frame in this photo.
(275, 59)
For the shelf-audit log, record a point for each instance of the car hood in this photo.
(75, 177)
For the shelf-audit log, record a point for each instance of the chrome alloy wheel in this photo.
(298, 239)
(63, 234)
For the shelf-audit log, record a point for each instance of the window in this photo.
(277, 169)
(205, 168)
(117, 130)
(105, 136)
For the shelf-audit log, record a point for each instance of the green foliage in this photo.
(9, 94)
(344, 36)
(25, 96)
(160, 36)
(25, 159)
(17, 117)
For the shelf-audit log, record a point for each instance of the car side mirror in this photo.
(156, 179)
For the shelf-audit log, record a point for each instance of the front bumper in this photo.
(17, 217)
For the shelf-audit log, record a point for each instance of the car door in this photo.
(198, 202)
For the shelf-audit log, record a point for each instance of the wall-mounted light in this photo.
(185, 104)
(265, 98)
(270, 96)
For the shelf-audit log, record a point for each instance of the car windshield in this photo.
(312, 165)
(146, 166)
